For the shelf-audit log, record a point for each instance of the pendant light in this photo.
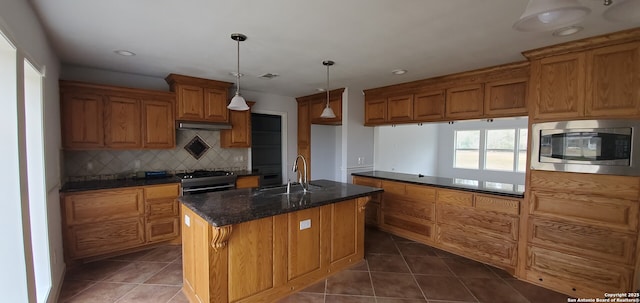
(327, 113)
(625, 11)
(545, 15)
(238, 103)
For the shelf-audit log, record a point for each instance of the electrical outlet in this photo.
(305, 224)
(187, 220)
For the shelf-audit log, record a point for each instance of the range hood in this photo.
(202, 125)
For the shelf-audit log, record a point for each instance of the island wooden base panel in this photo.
(267, 259)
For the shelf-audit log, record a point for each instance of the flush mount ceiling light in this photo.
(545, 15)
(327, 112)
(626, 11)
(399, 71)
(566, 31)
(123, 52)
(238, 103)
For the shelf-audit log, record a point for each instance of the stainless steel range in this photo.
(203, 181)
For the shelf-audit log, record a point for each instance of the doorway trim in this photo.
(283, 139)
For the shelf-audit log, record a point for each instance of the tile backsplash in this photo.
(124, 162)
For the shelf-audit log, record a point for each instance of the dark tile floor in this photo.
(395, 270)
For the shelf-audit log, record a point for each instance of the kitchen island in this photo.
(259, 245)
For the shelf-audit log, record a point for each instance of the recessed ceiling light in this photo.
(399, 71)
(123, 52)
(321, 89)
(268, 76)
(566, 31)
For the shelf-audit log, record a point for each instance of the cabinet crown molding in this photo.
(173, 79)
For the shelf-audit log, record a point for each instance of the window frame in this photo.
(482, 149)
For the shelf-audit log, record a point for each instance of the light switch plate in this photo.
(304, 224)
(187, 220)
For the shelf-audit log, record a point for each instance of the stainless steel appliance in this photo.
(587, 146)
(203, 181)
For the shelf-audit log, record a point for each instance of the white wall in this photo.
(19, 22)
(407, 148)
(325, 151)
(357, 139)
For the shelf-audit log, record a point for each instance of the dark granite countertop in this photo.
(478, 186)
(242, 205)
(116, 183)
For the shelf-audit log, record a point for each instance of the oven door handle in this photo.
(208, 188)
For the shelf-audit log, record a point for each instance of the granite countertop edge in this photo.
(407, 178)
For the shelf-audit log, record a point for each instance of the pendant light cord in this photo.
(238, 70)
(328, 85)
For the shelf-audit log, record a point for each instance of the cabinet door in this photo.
(318, 105)
(344, 229)
(158, 124)
(215, 105)
(104, 205)
(506, 97)
(159, 230)
(400, 108)
(104, 237)
(190, 102)
(240, 133)
(375, 111)
(557, 86)
(465, 102)
(613, 81)
(428, 106)
(82, 124)
(122, 122)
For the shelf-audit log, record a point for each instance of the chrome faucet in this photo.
(302, 179)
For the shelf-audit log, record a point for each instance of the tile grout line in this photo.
(413, 275)
(509, 284)
(460, 280)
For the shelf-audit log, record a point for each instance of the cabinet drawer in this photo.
(366, 181)
(421, 193)
(163, 229)
(395, 188)
(421, 210)
(583, 240)
(455, 197)
(162, 191)
(501, 205)
(103, 205)
(477, 245)
(406, 224)
(576, 276)
(622, 187)
(497, 225)
(588, 209)
(100, 238)
(162, 208)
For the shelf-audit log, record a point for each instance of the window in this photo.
(491, 149)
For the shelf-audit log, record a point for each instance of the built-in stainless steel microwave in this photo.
(587, 146)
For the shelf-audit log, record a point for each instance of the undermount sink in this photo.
(296, 188)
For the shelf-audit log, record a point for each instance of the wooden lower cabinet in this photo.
(100, 222)
(477, 245)
(266, 259)
(372, 213)
(248, 182)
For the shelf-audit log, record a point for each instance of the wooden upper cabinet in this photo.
(613, 81)
(122, 122)
(200, 100)
(506, 97)
(557, 86)
(304, 133)
(465, 102)
(159, 124)
(82, 123)
(240, 133)
(215, 105)
(319, 104)
(429, 106)
(400, 108)
(375, 111)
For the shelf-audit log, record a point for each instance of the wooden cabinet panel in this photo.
(613, 81)
(248, 182)
(623, 187)
(103, 205)
(99, 238)
(583, 240)
(570, 274)
(162, 214)
(304, 134)
(557, 86)
(162, 229)
(506, 97)
(82, 120)
(372, 213)
(319, 104)
(215, 105)
(500, 205)
(159, 130)
(400, 108)
(239, 136)
(162, 208)
(195, 276)
(304, 250)
(429, 106)
(477, 245)
(599, 211)
(465, 102)
(366, 181)
(500, 226)
(161, 191)
(344, 240)
(189, 102)
(455, 197)
(406, 225)
(122, 122)
(418, 209)
(375, 111)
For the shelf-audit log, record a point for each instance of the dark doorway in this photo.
(266, 148)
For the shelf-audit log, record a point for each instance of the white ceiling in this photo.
(366, 38)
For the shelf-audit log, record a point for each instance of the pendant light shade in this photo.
(625, 11)
(546, 15)
(238, 103)
(327, 113)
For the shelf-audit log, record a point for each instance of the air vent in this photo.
(269, 76)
